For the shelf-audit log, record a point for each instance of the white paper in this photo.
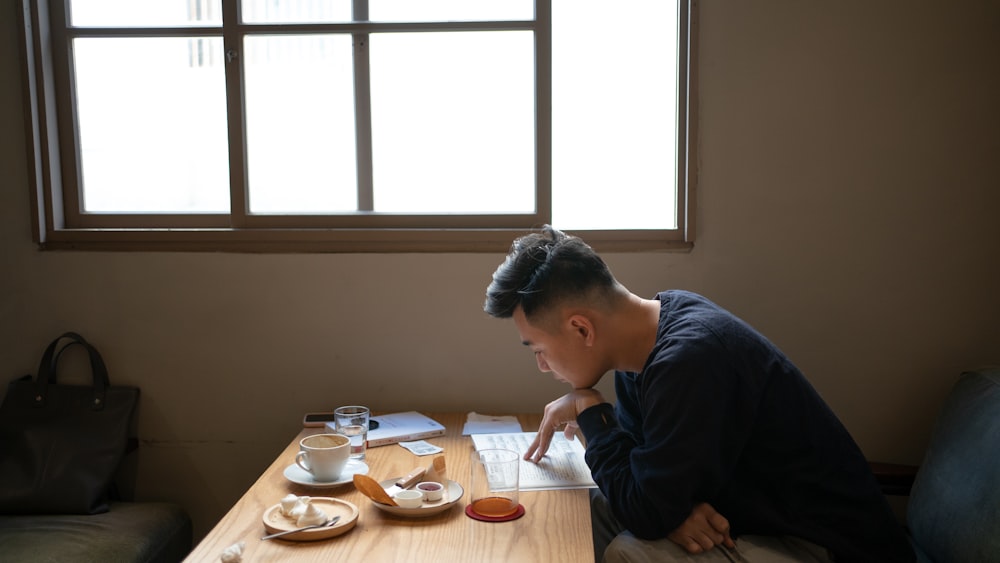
(421, 447)
(488, 424)
(563, 466)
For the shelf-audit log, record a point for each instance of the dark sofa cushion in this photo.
(131, 531)
(954, 508)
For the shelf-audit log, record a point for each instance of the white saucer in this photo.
(296, 474)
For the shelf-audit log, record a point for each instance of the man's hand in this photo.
(704, 529)
(563, 410)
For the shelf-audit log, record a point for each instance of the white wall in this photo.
(848, 207)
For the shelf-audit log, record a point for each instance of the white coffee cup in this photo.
(323, 455)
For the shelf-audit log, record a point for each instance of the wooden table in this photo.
(555, 527)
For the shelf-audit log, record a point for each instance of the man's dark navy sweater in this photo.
(719, 415)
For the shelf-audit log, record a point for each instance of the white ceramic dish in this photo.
(296, 474)
(275, 521)
(432, 492)
(409, 498)
(452, 496)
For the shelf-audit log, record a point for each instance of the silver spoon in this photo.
(326, 524)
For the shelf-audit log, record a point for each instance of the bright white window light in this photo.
(453, 113)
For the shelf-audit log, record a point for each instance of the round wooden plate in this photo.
(275, 521)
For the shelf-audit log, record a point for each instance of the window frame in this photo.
(57, 222)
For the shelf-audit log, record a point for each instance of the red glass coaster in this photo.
(513, 516)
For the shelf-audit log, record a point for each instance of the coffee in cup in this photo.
(323, 455)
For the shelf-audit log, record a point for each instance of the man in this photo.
(715, 436)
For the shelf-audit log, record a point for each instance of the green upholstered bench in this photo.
(130, 531)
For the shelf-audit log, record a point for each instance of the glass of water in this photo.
(352, 421)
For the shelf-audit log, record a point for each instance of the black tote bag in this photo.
(60, 445)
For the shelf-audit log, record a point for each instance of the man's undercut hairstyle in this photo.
(543, 269)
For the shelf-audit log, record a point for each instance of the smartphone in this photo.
(317, 419)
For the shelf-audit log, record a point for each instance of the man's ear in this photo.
(582, 326)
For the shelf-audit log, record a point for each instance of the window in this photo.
(364, 125)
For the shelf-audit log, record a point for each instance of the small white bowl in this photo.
(409, 499)
(432, 491)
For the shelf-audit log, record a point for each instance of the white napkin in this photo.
(488, 424)
(422, 447)
(233, 553)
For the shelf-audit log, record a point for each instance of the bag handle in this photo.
(50, 360)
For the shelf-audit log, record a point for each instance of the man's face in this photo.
(561, 349)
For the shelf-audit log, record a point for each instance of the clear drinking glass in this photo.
(352, 421)
(494, 482)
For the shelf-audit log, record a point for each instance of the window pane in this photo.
(295, 11)
(300, 124)
(451, 10)
(614, 100)
(149, 13)
(331, 11)
(152, 118)
(453, 122)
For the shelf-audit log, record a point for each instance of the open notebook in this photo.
(563, 466)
